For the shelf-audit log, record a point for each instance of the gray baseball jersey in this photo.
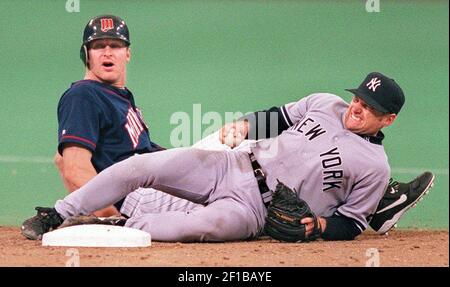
(331, 168)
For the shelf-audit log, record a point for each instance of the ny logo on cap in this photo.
(106, 24)
(373, 84)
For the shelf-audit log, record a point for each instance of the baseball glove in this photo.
(284, 215)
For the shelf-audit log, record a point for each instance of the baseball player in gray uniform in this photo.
(331, 153)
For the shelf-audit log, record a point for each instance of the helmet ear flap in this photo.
(84, 55)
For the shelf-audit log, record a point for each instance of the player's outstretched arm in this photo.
(76, 170)
(233, 134)
(272, 120)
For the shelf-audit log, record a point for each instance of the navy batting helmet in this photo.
(103, 27)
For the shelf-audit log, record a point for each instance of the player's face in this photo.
(361, 118)
(107, 61)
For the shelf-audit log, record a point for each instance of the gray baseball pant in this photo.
(222, 181)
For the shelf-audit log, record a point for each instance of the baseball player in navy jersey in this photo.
(99, 122)
(329, 151)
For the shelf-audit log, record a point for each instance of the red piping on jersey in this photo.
(80, 139)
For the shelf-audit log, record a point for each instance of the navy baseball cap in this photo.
(380, 92)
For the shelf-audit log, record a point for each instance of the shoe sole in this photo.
(384, 228)
(30, 236)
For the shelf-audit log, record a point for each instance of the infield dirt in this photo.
(399, 248)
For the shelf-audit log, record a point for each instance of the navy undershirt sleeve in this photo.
(340, 227)
(265, 118)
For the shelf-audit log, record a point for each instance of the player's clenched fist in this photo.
(233, 134)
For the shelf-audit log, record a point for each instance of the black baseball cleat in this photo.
(92, 219)
(399, 197)
(46, 220)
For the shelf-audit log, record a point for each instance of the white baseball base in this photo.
(97, 235)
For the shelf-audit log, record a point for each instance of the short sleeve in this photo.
(78, 119)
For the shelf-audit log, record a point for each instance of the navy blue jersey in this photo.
(104, 120)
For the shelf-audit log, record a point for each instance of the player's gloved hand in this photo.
(285, 215)
(233, 134)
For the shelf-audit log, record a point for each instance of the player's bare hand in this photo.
(233, 134)
(309, 221)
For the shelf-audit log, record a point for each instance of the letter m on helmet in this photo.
(106, 24)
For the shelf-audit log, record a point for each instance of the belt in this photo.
(266, 193)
